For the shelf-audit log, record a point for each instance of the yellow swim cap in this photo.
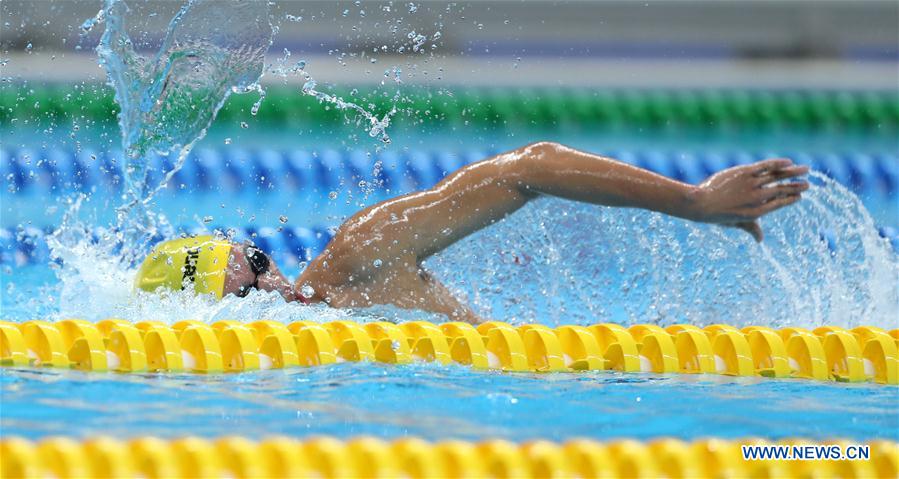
(175, 264)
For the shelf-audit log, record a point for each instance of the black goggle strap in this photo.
(259, 262)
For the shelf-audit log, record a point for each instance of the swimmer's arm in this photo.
(733, 197)
(397, 234)
(401, 232)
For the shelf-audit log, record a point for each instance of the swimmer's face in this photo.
(240, 277)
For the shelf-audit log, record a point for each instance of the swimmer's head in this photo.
(210, 266)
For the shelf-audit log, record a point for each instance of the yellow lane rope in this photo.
(827, 353)
(325, 457)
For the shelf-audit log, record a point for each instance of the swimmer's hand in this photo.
(739, 196)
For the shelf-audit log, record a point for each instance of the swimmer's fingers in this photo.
(771, 176)
(766, 167)
(775, 204)
(753, 228)
(769, 193)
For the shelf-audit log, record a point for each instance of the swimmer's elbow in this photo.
(534, 158)
(541, 151)
(530, 163)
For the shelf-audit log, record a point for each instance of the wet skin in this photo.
(375, 257)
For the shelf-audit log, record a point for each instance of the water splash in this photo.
(212, 48)
(167, 100)
(90, 23)
(376, 126)
(92, 273)
(822, 262)
(579, 264)
(96, 283)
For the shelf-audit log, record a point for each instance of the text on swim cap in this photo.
(190, 266)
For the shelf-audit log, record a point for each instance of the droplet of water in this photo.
(207, 219)
(244, 125)
(255, 108)
(377, 263)
(282, 219)
(332, 195)
(90, 23)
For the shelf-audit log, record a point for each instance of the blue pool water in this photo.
(425, 400)
(437, 402)
(830, 260)
(827, 261)
(822, 263)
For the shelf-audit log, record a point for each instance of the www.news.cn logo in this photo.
(809, 452)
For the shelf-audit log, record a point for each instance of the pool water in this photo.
(440, 402)
(77, 215)
(823, 261)
(553, 263)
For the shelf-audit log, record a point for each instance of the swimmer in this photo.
(375, 257)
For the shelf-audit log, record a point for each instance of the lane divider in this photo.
(262, 171)
(328, 457)
(497, 108)
(827, 353)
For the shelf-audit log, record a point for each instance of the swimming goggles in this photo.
(259, 265)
